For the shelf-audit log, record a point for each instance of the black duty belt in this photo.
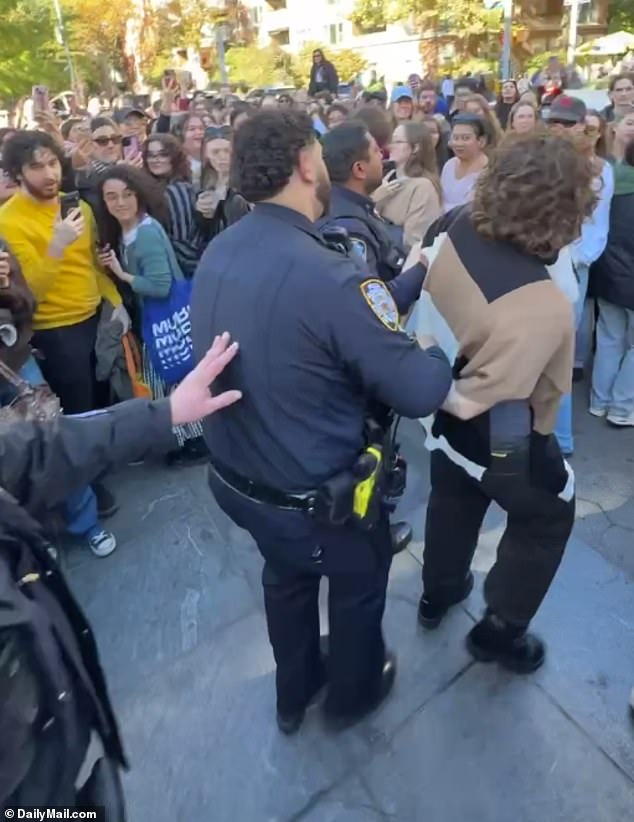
(263, 493)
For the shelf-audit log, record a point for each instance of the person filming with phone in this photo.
(53, 239)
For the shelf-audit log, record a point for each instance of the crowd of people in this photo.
(496, 214)
(155, 189)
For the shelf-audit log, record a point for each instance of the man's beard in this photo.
(322, 192)
(38, 193)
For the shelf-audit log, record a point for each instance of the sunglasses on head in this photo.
(115, 139)
(217, 132)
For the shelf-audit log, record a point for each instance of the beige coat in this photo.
(412, 203)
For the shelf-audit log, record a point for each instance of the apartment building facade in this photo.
(399, 49)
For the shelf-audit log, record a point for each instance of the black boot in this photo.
(402, 534)
(494, 640)
(431, 614)
(340, 722)
(289, 722)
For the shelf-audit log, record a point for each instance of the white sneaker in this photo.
(102, 543)
(598, 412)
(617, 419)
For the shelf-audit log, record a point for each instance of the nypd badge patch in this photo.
(359, 248)
(381, 302)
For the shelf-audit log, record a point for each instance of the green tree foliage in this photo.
(461, 18)
(30, 53)
(621, 15)
(252, 66)
(347, 61)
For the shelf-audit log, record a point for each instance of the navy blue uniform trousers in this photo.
(298, 551)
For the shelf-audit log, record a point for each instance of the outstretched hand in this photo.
(192, 400)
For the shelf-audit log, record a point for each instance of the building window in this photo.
(589, 13)
(335, 33)
(256, 15)
(282, 37)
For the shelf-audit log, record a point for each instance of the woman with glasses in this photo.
(217, 205)
(165, 159)
(469, 142)
(137, 251)
(410, 194)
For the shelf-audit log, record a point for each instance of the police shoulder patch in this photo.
(381, 303)
(360, 248)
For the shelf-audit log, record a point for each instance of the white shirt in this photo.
(447, 87)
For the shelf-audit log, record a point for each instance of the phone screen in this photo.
(40, 98)
(67, 202)
(131, 146)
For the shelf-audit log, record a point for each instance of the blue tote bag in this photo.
(167, 331)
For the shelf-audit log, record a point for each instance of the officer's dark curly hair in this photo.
(266, 151)
(535, 194)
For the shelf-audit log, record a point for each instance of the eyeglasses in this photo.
(160, 155)
(564, 123)
(115, 139)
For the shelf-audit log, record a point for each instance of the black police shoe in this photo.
(431, 614)
(340, 722)
(402, 534)
(289, 723)
(494, 640)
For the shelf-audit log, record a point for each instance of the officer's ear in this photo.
(307, 161)
(359, 170)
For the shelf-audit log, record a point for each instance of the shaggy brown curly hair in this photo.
(535, 193)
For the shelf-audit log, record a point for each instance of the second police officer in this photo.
(296, 463)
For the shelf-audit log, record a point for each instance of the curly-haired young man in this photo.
(493, 439)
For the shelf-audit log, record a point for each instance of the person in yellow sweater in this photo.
(59, 262)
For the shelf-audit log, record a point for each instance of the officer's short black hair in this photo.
(343, 147)
(266, 151)
(19, 150)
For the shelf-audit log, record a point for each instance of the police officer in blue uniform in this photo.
(355, 167)
(292, 463)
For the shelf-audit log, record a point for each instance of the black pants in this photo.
(68, 364)
(529, 553)
(297, 553)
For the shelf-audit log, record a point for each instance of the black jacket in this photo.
(613, 272)
(330, 80)
(319, 338)
(52, 689)
(377, 242)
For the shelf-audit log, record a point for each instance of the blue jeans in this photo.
(613, 371)
(583, 316)
(80, 508)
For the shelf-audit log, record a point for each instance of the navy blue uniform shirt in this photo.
(318, 339)
(378, 243)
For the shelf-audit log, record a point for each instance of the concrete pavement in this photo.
(179, 619)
